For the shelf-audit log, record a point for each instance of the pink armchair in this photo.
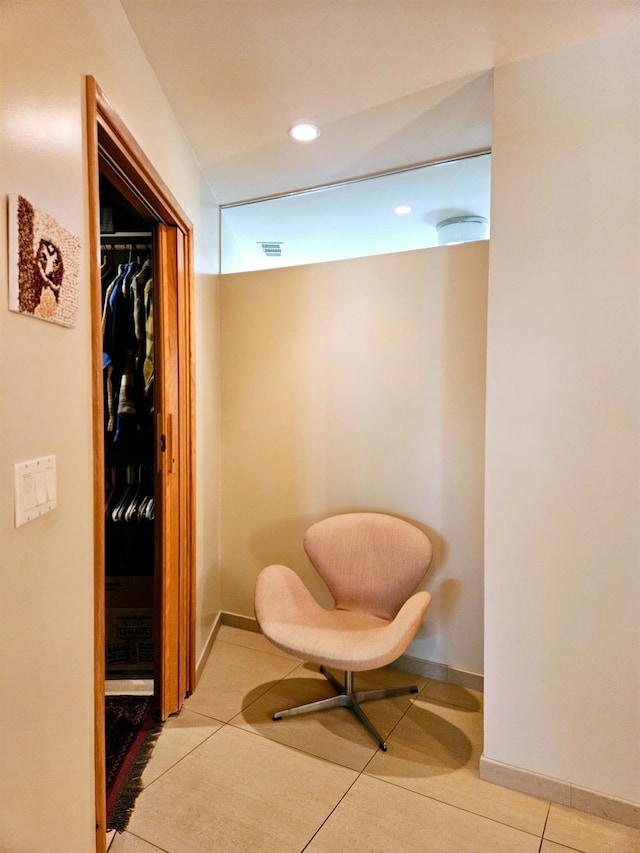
(371, 563)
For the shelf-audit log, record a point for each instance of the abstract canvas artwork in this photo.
(44, 262)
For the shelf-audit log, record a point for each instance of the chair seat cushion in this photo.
(347, 639)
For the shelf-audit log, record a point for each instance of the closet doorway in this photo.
(115, 161)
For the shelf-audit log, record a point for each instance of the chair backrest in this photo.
(370, 561)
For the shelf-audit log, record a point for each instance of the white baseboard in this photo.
(558, 791)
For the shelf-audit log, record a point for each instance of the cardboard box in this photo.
(129, 641)
(128, 591)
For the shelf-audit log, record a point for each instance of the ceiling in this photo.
(391, 83)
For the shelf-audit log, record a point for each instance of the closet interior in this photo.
(127, 252)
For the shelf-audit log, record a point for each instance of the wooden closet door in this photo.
(111, 146)
(169, 270)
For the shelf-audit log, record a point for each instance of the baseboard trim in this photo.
(223, 617)
(204, 656)
(558, 791)
(440, 672)
(236, 620)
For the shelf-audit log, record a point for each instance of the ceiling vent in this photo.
(272, 250)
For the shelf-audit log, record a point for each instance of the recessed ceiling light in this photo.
(304, 132)
(402, 209)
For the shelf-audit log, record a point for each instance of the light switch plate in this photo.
(34, 488)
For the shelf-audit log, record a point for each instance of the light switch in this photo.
(34, 488)
(50, 474)
(41, 487)
(28, 490)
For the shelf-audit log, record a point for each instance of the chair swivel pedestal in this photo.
(348, 698)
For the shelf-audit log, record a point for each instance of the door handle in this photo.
(169, 443)
(164, 454)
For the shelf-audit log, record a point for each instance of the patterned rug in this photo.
(131, 731)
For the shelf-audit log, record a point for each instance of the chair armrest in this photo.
(281, 596)
(408, 619)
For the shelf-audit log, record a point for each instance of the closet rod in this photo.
(105, 236)
(126, 247)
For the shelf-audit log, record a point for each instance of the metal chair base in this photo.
(348, 698)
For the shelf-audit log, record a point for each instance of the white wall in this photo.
(351, 385)
(562, 639)
(46, 578)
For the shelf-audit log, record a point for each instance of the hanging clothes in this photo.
(127, 325)
(147, 369)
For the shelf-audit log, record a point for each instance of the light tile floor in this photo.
(225, 778)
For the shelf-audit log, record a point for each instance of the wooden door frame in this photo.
(111, 146)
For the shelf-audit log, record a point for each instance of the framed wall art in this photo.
(44, 263)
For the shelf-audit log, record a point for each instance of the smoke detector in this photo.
(461, 229)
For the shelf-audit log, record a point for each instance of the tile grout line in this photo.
(334, 807)
(261, 695)
(294, 748)
(146, 841)
(544, 829)
(436, 799)
(453, 806)
(276, 654)
(242, 708)
(182, 757)
(400, 719)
